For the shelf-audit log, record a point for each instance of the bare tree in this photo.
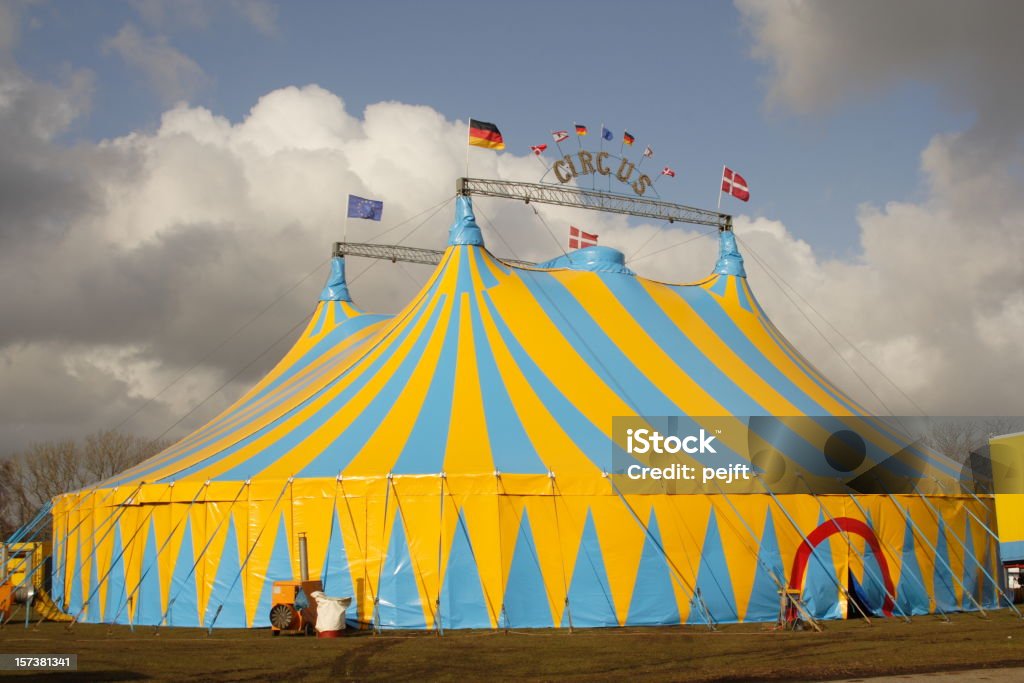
(30, 479)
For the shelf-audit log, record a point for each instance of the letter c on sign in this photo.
(561, 172)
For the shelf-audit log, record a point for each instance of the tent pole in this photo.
(383, 554)
(561, 553)
(501, 554)
(438, 626)
(829, 571)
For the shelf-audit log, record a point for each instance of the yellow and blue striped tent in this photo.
(452, 467)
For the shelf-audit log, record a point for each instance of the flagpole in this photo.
(467, 146)
(720, 188)
(344, 230)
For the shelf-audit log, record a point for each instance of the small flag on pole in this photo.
(580, 129)
(605, 133)
(538, 149)
(483, 134)
(735, 184)
(560, 135)
(648, 152)
(669, 172)
(579, 239)
(358, 207)
(627, 139)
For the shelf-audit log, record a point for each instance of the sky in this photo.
(173, 174)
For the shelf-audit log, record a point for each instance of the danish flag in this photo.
(735, 184)
(538, 149)
(669, 172)
(579, 239)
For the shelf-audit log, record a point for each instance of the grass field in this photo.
(734, 653)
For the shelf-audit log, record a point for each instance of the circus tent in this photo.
(453, 466)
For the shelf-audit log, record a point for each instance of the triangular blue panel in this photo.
(821, 591)
(183, 603)
(75, 594)
(988, 588)
(653, 601)
(399, 598)
(945, 593)
(278, 569)
(713, 580)
(59, 560)
(336, 576)
(872, 583)
(910, 592)
(462, 594)
(149, 610)
(115, 582)
(764, 597)
(526, 599)
(971, 572)
(590, 596)
(93, 609)
(227, 587)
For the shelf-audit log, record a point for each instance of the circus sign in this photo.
(586, 163)
(583, 162)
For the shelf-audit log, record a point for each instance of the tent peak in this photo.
(336, 289)
(465, 230)
(730, 261)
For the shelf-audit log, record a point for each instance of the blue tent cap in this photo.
(336, 289)
(594, 259)
(465, 230)
(730, 262)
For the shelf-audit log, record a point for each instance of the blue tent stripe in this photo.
(713, 579)
(398, 596)
(343, 449)
(511, 448)
(590, 595)
(526, 599)
(462, 593)
(764, 596)
(587, 437)
(185, 610)
(147, 599)
(227, 593)
(653, 600)
(279, 568)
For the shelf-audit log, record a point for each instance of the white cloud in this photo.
(135, 258)
(172, 74)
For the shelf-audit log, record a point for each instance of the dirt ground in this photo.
(844, 650)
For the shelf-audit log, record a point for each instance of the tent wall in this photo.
(512, 551)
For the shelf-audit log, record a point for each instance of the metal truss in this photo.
(594, 200)
(394, 253)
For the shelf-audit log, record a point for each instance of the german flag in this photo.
(627, 138)
(580, 129)
(483, 134)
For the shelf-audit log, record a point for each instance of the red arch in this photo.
(850, 526)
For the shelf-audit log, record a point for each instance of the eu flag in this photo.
(359, 207)
(605, 133)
